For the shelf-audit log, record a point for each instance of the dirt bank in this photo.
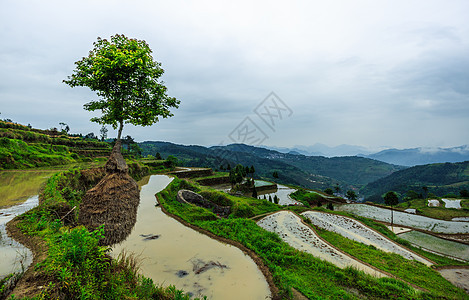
(264, 269)
(32, 281)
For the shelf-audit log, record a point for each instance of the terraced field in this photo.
(298, 235)
(354, 230)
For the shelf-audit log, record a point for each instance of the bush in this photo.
(241, 210)
(217, 198)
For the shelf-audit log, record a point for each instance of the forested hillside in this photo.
(351, 169)
(314, 172)
(438, 179)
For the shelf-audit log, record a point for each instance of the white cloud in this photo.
(361, 72)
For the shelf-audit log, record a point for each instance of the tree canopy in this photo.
(126, 78)
(351, 195)
(390, 198)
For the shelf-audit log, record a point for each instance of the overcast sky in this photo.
(371, 73)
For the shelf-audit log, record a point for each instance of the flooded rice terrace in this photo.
(406, 219)
(438, 245)
(173, 254)
(18, 194)
(282, 192)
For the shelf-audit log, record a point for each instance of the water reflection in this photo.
(17, 186)
(187, 259)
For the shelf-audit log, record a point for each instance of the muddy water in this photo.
(458, 277)
(18, 194)
(187, 259)
(18, 186)
(14, 257)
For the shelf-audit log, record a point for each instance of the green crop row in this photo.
(291, 268)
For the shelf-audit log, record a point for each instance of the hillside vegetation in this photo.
(198, 156)
(350, 169)
(314, 172)
(439, 179)
(23, 147)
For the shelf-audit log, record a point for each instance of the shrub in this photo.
(241, 210)
(217, 198)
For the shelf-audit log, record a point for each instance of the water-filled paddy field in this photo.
(291, 230)
(173, 254)
(406, 219)
(18, 194)
(354, 230)
(436, 244)
(283, 193)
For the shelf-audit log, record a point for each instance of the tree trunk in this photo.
(119, 133)
(392, 216)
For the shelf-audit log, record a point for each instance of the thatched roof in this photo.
(113, 202)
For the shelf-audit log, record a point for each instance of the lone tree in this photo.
(390, 198)
(351, 195)
(127, 79)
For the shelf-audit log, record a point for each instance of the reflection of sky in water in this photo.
(452, 203)
(16, 187)
(12, 252)
(405, 219)
(434, 243)
(282, 193)
(173, 258)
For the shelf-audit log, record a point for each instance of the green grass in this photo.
(76, 266)
(291, 268)
(16, 154)
(409, 270)
(215, 175)
(421, 205)
(381, 228)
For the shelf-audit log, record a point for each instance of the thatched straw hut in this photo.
(113, 202)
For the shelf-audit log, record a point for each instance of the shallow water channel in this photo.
(18, 194)
(173, 254)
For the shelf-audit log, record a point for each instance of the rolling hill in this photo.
(314, 172)
(422, 156)
(353, 170)
(440, 179)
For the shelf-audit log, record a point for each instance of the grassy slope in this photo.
(410, 271)
(22, 147)
(293, 268)
(16, 154)
(440, 179)
(76, 267)
(421, 205)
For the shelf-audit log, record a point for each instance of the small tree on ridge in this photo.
(390, 198)
(126, 78)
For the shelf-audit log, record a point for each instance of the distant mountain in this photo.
(324, 150)
(217, 157)
(353, 170)
(422, 156)
(440, 179)
(314, 172)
